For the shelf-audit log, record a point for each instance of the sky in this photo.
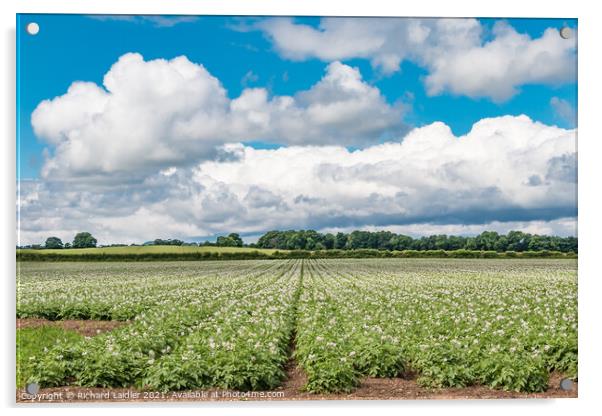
(142, 127)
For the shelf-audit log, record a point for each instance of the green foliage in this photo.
(53, 243)
(520, 372)
(161, 242)
(379, 360)
(456, 323)
(33, 345)
(505, 323)
(232, 240)
(84, 240)
(218, 253)
(247, 340)
(487, 241)
(331, 376)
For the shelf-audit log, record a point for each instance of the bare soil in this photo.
(372, 388)
(85, 327)
(291, 390)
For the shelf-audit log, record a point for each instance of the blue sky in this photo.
(271, 123)
(76, 47)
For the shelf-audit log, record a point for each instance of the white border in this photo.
(590, 138)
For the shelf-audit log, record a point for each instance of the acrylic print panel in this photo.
(283, 208)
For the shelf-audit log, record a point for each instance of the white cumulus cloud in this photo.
(161, 113)
(457, 55)
(507, 172)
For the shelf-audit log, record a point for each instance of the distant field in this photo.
(151, 249)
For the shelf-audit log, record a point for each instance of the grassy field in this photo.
(507, 324)
(150, 249)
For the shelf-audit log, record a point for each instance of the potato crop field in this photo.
(506, 324)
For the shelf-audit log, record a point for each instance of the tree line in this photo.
(81, 240)
(310, 240)
(86, 240)
(517, 241)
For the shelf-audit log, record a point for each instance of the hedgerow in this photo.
(34, 255)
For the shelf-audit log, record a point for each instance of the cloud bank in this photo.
(458, 56)
(507, 171)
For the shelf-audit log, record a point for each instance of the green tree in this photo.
(501, 244)
(518, 241)
(470, 244)
(455, 242)
(168, 242)
(84, 240)
(340, 241)
(328, 241)
(53, 242)
(386, 240)
(271, 239)
(537, 243)
(486, 240)
(441, 242)
(232, 240)
(236, 240)
(358, 239)
(223, 241)
(401, 242)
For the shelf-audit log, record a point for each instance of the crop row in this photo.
(124, 356)
(453, 327)
(116, 291)
(453, 323)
